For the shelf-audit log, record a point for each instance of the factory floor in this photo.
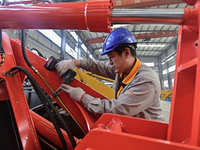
(166, 109)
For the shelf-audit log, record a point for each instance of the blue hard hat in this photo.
(117, 37)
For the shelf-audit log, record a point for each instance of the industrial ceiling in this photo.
(154, 39)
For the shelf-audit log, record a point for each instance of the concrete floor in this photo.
(166, 109)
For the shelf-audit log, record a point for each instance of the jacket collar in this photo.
(130, 76)
(132, 73)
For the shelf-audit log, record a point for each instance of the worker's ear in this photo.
(127, 51)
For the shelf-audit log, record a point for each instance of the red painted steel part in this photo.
(135, 126)
(12, 89)
(84, 118)
(110, 140)
(91, 15)
(46, 129)
(190, 2)
(136, 134)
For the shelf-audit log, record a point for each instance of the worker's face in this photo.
(116, 61)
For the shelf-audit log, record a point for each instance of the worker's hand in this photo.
(63, 66)
(75, 93)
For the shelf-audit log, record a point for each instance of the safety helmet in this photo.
(117, 37)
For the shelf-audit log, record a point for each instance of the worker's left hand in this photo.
(63, 66)
(75, 93)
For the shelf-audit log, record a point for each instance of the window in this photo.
(166, 84)
(165, 71)
(91, 56)
(172, 68)
(172, 82)
(169, 58)
(74, 35)
(50, 34)
(84, 47)
(151, 64)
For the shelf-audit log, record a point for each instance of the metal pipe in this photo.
(148, 13)
(91, 15)
(170, 16)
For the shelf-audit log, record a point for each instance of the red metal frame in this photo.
(46, 129)
(11, 89)
(83, 117)
(136, 134)
(16, 95)
(185, 113)
(91, 15)
(183, 131)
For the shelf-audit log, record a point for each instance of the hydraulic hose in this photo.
(22, 34)
(36, 71)
(41, 96)
(46, 101)
(2, 52)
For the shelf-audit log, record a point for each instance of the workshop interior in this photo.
(36, 115)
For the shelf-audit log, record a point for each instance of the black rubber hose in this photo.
(44, 100)
(22, 34)
(63, 124)
(40, 54)
(1, 46)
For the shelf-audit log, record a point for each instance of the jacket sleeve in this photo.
(131, 102)
(98, 67)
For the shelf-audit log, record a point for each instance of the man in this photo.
(137, 87)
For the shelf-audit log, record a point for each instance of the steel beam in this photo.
(139, 36)
(138, 56)
(141, 50)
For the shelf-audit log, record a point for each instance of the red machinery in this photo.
(109, 131)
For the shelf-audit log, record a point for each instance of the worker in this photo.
(137, 87)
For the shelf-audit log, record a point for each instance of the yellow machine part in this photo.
(95, 84)
(89, 79)
(165, 94)
(99, 77)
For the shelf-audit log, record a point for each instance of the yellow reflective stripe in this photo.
(131, 75)
(121, 88)
(130, 93)
(133, 72)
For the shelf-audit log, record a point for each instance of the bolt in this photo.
(17, 102)
(26, 138)
(5, 73)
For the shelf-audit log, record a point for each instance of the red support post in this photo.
(184, 125)
(11, 89)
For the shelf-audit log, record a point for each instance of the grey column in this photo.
(79, 48)
(63, 44)
(168, 74)
(160, 70)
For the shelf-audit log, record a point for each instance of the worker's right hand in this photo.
(63, 66)
(75, 93)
